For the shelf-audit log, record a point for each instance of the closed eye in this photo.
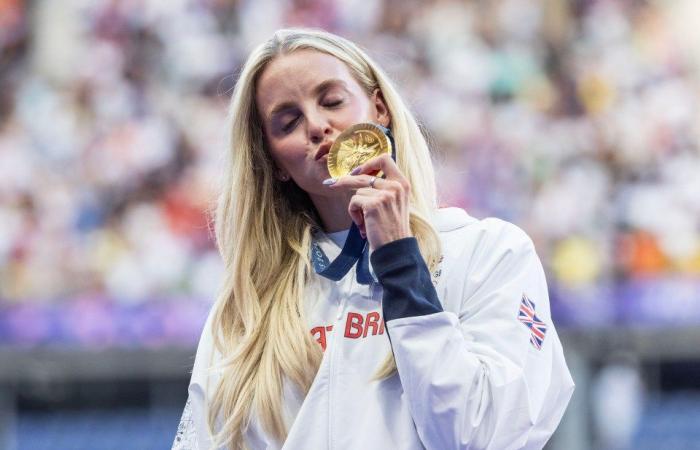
(289, 126)
(333, 103)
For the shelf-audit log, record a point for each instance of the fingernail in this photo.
(356, 170)
(329, 181)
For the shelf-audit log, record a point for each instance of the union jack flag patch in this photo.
(527, 315)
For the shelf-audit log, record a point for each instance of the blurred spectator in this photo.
(578, 120)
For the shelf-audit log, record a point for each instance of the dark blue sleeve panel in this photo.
(408, 289)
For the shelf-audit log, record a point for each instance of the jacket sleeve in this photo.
(474, 376)
(193, 430)
(186, 435)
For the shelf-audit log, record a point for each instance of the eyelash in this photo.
(287, 128)
(290, 126)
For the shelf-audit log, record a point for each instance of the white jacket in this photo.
(471, 376)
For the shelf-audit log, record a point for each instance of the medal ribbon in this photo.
(355, 250)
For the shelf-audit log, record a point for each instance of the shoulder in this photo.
(481, 257)
(474, 250)
(206, 357)
(464, 236)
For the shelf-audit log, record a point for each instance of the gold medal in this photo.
(354, 146)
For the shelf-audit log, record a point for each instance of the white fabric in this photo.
(339, 237)
(186, 436)
(468, 377)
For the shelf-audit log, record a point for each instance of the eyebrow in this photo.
(322, 87)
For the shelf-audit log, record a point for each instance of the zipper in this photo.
(336, 336)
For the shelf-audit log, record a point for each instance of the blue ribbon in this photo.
(355, 250)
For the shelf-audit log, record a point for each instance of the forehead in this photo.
(296, 74)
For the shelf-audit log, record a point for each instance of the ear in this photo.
(380, 108)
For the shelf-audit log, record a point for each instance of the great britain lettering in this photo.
(357, 326)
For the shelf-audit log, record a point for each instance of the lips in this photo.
(323, 150)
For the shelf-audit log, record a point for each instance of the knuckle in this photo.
(396, 186)
(388, 197)
(396, 191)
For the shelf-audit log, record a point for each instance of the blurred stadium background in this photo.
(577, 120)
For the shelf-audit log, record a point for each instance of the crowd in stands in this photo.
(577, 120)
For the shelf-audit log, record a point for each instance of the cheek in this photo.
(351, 115)
(365, 113)
(357, 110)
(288, 153)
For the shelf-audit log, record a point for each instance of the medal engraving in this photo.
(354, 146)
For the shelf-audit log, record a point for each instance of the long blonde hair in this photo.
(263, 230)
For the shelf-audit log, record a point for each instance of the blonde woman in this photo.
(448, 343)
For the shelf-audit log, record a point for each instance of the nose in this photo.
(318, 128)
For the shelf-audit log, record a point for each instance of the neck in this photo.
(333, 212)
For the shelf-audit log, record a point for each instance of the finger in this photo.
(369, 192)
(356, 182)
(356, 214)
(364, 202)
(386, 192)
(382, 162)
(370, 202)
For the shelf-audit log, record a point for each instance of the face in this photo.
(305, 100)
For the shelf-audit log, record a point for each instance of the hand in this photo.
(381, 212)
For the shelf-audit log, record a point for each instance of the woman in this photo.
(449, 345)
